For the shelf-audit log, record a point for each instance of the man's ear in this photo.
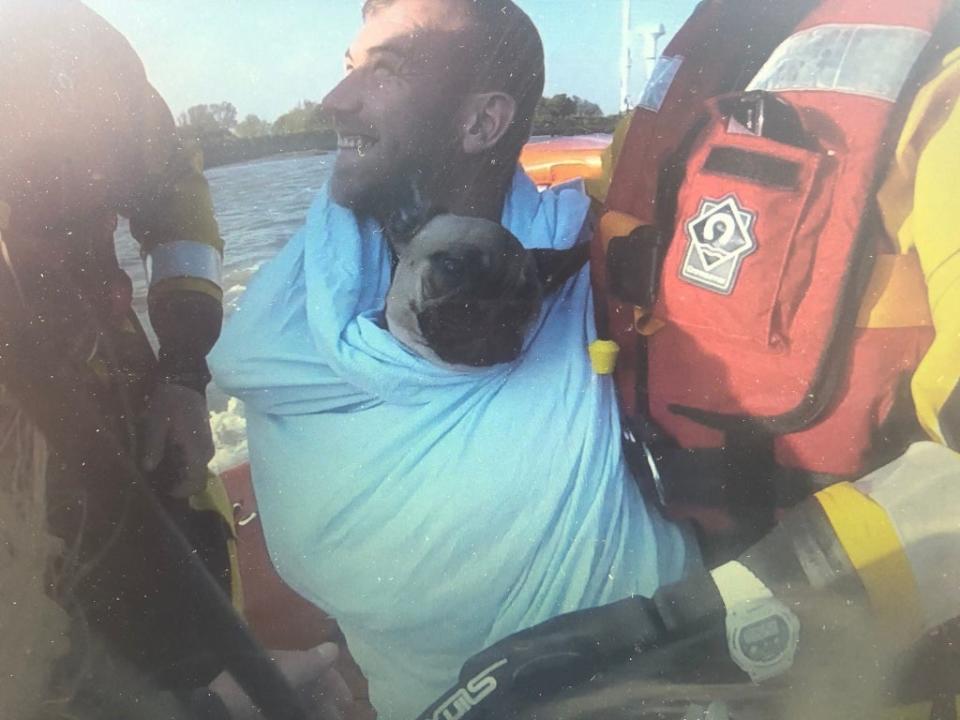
(486, 118)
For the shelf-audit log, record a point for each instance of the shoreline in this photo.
(230, 150)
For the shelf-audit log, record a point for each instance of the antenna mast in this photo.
(626, 59)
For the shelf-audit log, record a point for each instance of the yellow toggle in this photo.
(603, 356)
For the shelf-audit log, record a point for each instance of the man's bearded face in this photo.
(395, 111)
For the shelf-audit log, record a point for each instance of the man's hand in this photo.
(176, 427)
(310, 672)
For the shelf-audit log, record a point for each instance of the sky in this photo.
(265, 56)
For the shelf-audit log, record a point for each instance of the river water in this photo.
(259, 205)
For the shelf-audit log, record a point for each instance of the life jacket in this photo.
(767, 326)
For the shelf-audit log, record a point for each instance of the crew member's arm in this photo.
(848, 580)
(920, 209)
(171, 216)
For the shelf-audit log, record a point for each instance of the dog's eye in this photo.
(453, 267)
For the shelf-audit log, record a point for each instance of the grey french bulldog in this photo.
(465, 291)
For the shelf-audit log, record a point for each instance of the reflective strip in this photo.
(657, 87)
(868, 536)
(871, 60)
(184, 259)
(920, 493)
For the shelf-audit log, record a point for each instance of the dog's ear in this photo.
(555, 267)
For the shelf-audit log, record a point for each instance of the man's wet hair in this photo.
(507, 41)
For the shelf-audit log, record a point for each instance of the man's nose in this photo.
(344, 99)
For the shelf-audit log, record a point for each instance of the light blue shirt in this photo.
(433, 512)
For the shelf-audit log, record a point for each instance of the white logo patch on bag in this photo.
(719, 237)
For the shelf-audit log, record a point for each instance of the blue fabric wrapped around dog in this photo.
(433, 511)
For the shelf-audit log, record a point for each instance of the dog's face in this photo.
(464, 293)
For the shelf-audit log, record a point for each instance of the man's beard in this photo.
(404, 202)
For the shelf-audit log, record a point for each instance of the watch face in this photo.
(764, 641)
(762, 637)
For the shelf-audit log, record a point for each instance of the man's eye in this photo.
(390, 68)
(384, 70)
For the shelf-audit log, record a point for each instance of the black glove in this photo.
(685, 635)
(568, 649)
(176, 425)
(542, 660)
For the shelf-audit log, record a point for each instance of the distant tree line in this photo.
(224, 139)
(220, 119)
(570, 115)
(307, 127)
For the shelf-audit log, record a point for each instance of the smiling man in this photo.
(433, 510)
(395, 104)
(435, 107)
